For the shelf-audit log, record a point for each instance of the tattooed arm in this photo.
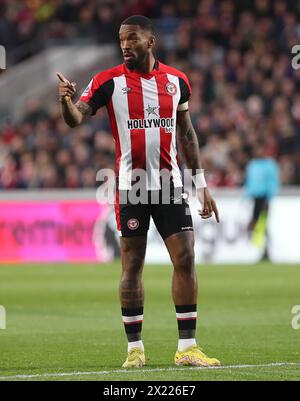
(189, 146)
(188, 141)
(73, 114)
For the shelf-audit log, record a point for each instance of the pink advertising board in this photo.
(56, 231)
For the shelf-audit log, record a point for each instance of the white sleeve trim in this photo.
(183, 106)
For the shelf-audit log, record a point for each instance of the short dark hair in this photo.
(144, 22)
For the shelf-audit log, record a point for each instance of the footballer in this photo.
(148, 107)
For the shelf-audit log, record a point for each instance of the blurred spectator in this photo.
(261, 185)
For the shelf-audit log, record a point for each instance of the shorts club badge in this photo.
(133, 224)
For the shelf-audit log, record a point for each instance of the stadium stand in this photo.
(237, 56)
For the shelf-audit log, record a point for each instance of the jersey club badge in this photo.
(171, 88)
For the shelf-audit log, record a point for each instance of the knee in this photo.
(132, 260)
(184, 260)
(132, 264)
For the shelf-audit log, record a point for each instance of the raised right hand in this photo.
(66, 89)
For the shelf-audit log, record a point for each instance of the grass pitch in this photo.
(64, 323)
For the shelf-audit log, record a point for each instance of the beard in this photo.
(136, 62)
(131, 64)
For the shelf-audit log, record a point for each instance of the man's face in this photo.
(135, 44)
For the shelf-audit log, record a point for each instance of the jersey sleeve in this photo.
(185, 90)
(98, 93)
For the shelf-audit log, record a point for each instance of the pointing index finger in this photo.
(62, 78)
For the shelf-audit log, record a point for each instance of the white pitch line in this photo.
(107, 372)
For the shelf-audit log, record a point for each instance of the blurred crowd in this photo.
(43, 152)
(237, 55)
(27, 25)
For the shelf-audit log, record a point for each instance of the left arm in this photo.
(189, 145)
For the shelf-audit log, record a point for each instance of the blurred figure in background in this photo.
(262, 183)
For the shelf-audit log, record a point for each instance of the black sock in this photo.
(133, 319)
(186, 319)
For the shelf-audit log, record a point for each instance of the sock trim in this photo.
(132, 319)
(186, 316)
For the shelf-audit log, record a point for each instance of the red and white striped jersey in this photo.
(142, 111)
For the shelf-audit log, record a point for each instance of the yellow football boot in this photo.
(135, 359)
(194, 356)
